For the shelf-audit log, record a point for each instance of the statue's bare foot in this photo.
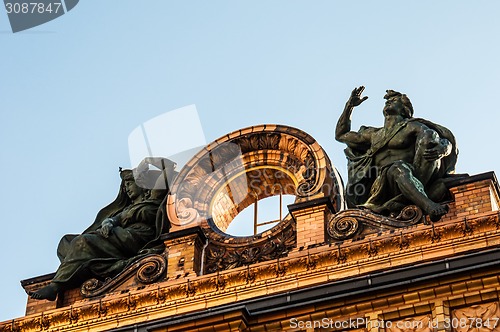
(436, 211)
(48, 292)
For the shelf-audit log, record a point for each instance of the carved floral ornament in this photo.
(477, 318)
(247, 165)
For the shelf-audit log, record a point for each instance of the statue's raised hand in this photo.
(355, 99)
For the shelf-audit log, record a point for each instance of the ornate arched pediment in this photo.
(270, 155)
(238, 169)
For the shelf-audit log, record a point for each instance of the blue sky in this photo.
(72, 90)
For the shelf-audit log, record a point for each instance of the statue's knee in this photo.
(81, 240)
(398, 169)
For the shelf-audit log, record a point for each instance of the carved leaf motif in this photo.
(281, 244)
(196, 174)
(246, 256)
(88, 312)
(192, 180)
(60, 318)
(32, 324)
(9, 328)
(248, 144)
(293, 165)
(291, 145)
(119, 305)
(479, 318)
(215, 259)
(301, 151)
(269, 141)
(371, 249)
(145, 299)
(220, 257)
(206, 285)
(224, 154)
(177, 292)
(402, 242)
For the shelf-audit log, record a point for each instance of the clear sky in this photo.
(72, 90)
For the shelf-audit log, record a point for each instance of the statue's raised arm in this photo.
(343, 131)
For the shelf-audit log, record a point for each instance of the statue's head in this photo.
(131, 184)
(153, 183)
(398, 103)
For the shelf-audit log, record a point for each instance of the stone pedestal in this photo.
(185, 252)
(310, 219)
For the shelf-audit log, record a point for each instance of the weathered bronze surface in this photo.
(124, 231)
(407, 161)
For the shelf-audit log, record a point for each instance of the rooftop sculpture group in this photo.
(406, 162)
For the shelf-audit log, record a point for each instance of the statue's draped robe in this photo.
(368, 185)
(91, 254)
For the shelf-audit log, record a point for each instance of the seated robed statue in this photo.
(407, 161)
(123, 231)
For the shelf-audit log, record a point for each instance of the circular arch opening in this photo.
(260, 194)
(261, 216)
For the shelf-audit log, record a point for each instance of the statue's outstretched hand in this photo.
(355, 99)
(106, 227)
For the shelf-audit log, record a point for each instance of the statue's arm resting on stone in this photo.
(442, 149)
(343, 131)
(435, 147)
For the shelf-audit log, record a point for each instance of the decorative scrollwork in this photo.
(304, 189)
(309, 174)
(186, 213)
(343, 228)
(147, 270)
(151, 269)
(410, 214)
(90, 286)
(346, 224)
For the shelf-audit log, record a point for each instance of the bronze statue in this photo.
(407, 161)
(123, 231)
